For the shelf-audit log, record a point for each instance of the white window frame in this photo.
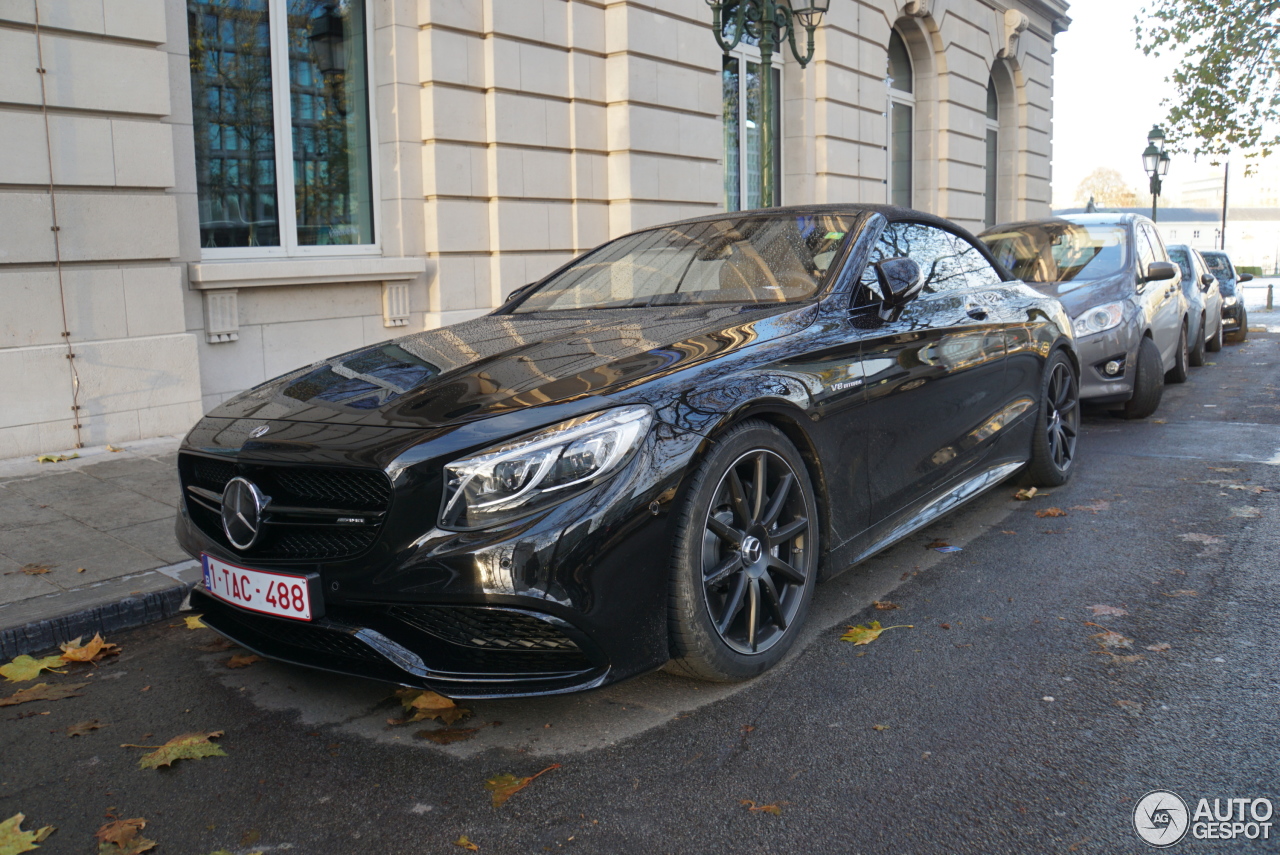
(745, 53)
(907, 99)
(286, 192)
(992, 126)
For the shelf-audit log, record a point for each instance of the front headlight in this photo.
(1098, 319)
(1229, 301)
(541, 469)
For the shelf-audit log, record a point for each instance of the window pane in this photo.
(754, 142)
(993, 100)
(730, 81)
(993, 153)
(329, 106)
(235, 132)
(900, 64)
(947, 261)
(900, 155)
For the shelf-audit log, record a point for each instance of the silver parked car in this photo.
(1113, 275)
(1204, 302)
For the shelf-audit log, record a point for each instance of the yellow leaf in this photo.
(55, 458)
(25, 668)
(1026, 494)
(504, 787)
(43, 692)
(774, 809)
(84, 727)
(879, 727)
(35, 569)
(422, 704)
(466, 844)
(194, 622)
(14, 840)
(92, 652)
(114, 448)
(866, 634)
(189, 746)
(122, 837)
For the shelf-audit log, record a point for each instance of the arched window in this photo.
(902, 105)
(993, 153)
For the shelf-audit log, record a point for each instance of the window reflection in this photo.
(946, 260)
(364, 380)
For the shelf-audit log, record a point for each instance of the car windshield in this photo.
(1183, 259)
(1220, 266)
(757, 259)
(1059, 251)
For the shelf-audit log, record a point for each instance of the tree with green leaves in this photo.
(1228, 75)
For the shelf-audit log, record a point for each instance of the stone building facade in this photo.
(197, 195)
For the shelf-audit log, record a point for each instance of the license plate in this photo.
(280, 594)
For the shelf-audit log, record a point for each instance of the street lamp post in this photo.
(1155, 160)
(770, 23)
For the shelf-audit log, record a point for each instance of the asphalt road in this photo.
(1005, 727)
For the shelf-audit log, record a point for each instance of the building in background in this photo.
(197, 195)
(1253, 234)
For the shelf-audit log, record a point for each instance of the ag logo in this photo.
(1161, 818)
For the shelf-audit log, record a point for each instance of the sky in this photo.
(1106, 98)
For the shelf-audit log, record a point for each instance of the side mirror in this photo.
(900, 282)
(1245, 277)
(1158, 270)
(1206, 280)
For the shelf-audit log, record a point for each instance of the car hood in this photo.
(499, 363)
(1078, 297)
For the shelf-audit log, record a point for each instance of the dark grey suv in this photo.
(1113, 275)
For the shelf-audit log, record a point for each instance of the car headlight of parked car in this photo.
(1228, 301)
(541, 469)
(1098, 319)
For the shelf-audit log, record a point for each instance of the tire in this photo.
(1053, 446)
(1241, 334)
(1196, 357)
(723, 623)
(1178, 373)
(1214, 344)
(1148, 382)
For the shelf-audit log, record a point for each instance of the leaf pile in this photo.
(422, 704)
(122, 837)
(14, 840)
(504, 787)
(866, 634)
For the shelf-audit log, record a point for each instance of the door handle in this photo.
(976, 313)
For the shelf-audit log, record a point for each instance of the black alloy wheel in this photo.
(1053, 446)
(746, 557)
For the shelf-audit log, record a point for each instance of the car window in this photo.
(1146, 255)
(947, 260)
(1183, 260)
(1157, 243)
(1059, 250)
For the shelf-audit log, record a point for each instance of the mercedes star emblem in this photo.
(259, 431)
(242, 506)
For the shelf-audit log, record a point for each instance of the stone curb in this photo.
(42, 623)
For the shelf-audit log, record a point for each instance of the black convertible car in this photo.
(649, 457)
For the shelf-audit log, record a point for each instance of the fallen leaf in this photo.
(55, 458)
(189, 746)
(1159, 648)
(1111, 639)
(25, 668)
(944, 626)
(1051, 512)
(194, 622)
(423, 704)
(466, 844)
(774, 809)
(96, 650)
(1025, 494)
(885, 606)
(114, 448)
(504, 787)
(937, 544)
(1181, 592)
(122, 836)
(84, 727)
(879, 727)
(1093, 507)
(1108, 610)
(42, 692)
(866, 634)
(36, 569)
(243, 660)
(14, 840)
(81, 569)
(1006, 531)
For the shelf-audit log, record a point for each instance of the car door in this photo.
(934, 375)
(1162, 299)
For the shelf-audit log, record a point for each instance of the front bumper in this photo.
(1095, 351)
(1232, 317)
(568, 599)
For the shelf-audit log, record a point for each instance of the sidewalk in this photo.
(103, 525)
